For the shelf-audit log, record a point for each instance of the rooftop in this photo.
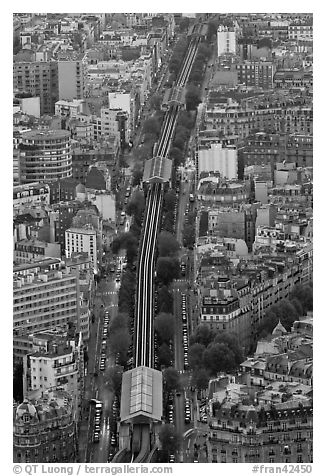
(141, 395)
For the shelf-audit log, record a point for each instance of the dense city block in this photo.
(163, 238)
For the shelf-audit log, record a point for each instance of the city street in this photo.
(95, 387)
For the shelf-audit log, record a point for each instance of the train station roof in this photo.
(141, 395)
(157, 169)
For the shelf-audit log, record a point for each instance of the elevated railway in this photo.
(140, 450)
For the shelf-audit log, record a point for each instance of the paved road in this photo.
(95, 387)
(109, 295)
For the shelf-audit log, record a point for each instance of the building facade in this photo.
(280, 433)
(258, 74)
(226, 41)
(82, 239)
(71, 79)
(44, 156)
(40, 79)
(44, 430)
(42, 300)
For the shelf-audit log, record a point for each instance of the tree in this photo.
(287, 313)
(298, 306)
(212, 29)
(113, 376)
(142, 152)
(167, 244)
(170, 439)
(182, 132)
(204, 51)
(137, 176)
(200, 379)
(231, 341)
(186, 119)
(184, 24)
(196, 76)
(167, 269)
(192, 97)
(119, 342)
(168, 222)
(136, 204)
(165, 355)
(126, 291)
(203, 335)
(268, 323)
(189, 236)
(171, 380)
(170, 199)
(120, 321)
(151, 125)
(219, 358)
(164, 325)
(128, 242)
(155, 102)
(305, 295)
(195, 355)
(164, 300)
(178, 142)
(176, 155)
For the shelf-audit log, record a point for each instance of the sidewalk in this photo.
(83, 424)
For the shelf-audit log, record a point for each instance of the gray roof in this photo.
(157, 169)
(141, 395)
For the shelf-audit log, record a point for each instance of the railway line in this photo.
(144, 310)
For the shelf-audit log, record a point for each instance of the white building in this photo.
(226, 41)
(106, 205)
(109, 123)
(31, 193)
(69, 108)
(219, 159)
(30, 106)
(56, 361)
(124, 102)
(82, 239)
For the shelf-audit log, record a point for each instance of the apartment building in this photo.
(60, 218)
(30, 249)
(293, 78)
(71, 79)
(280, 433)
(300, 31)
(57, 360)
(42, 300)
(40, 78)
(212, 190)
(69, 109)
(44, 429)
(265, 148)
(226, 41)
(237, 302)
(44, 156)
(82, 239)
(32, 193)
(233, 119)
(257, 74)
